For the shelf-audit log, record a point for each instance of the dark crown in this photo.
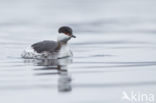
(66, 30)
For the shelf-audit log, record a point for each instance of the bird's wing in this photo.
(48, 46)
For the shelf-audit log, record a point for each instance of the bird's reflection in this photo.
(64, 81)
(61, 65)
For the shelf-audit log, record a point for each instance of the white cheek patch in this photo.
(62, 37)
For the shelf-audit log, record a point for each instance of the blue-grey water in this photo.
(114, 52)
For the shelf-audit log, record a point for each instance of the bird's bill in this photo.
(73, 36)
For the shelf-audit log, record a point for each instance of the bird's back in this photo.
(48, 46)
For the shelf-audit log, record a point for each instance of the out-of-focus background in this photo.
(114, 52)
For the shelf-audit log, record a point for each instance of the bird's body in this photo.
(46, 46)
(49, 49)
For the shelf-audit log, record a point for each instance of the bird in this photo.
(54, 49)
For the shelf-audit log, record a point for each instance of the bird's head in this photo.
(65, 34)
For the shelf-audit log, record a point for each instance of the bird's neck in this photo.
(61, 45)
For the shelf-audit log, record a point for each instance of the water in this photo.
(114, 50)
